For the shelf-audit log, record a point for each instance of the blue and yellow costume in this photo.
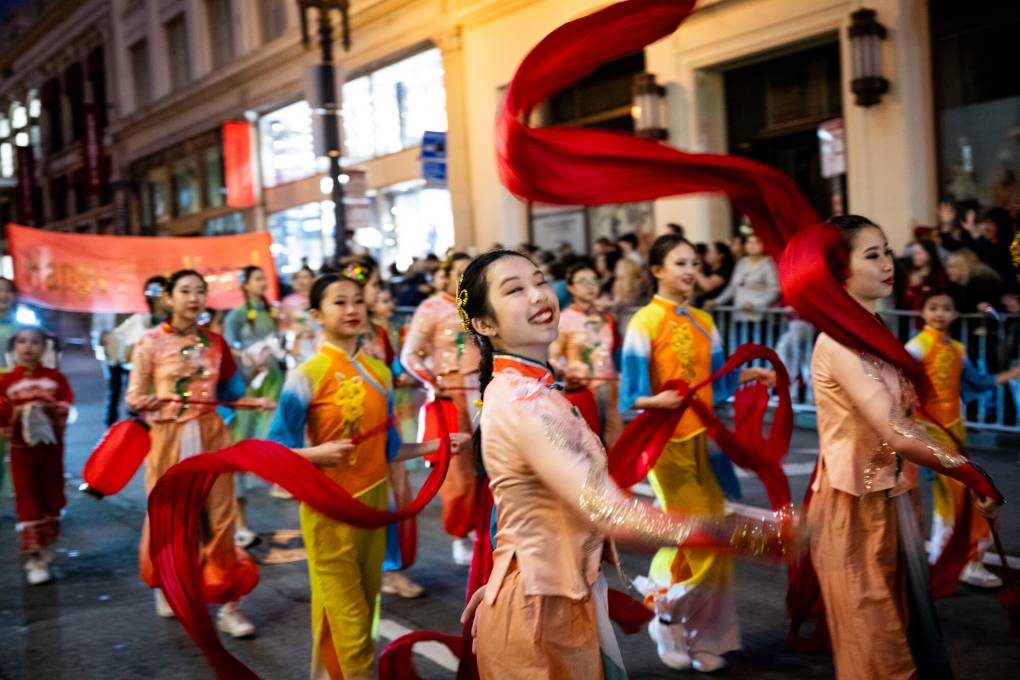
(330, 397)
(667, 341)
(954, 378)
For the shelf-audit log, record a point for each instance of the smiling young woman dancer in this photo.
(439, 353)
(866, 546)
(543, 613)
(584, 351)
(668, 340)
(341, 402)
(171, 363)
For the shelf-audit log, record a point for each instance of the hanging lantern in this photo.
(866, 36)
(116, 458)
(649, 107)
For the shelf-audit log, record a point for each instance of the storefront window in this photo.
(6, 159)
(154, 203)
(359, 126)
(215, 188)
(390, 109)
(231, 223)
(288, 148)
(185, 187)
(303, 235)
(977, 106)
(414, 222)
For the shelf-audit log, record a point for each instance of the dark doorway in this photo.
(774, 107)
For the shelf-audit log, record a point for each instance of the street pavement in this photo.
(97, 620)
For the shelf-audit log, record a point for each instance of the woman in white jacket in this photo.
(754, 284)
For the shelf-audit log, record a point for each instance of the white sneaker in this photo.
(463, 551)
(232, 621)
(279, 492)
(395, 583)
(975, 574)
(163, 609)
(668, 643)
(705, 662)
(37, 571)
(245, 537)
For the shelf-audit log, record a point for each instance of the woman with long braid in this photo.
(543, 613)
(251, 332)
(439, 353)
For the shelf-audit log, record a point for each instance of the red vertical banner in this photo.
(92, 148)
(237, 162)
(26, 185)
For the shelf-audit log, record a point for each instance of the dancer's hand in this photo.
(259, 403)
(458, 441)
(148, 402)
(766, 376)
(265, 404)
(327, 454)
(575, 376)
(988, 507)
(469, 613)
(666, 399)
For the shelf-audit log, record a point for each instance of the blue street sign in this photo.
(433, 159)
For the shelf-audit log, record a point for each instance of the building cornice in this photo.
(38, 31)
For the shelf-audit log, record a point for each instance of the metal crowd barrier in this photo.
(992, 344)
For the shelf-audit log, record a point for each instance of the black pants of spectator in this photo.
(115, 375)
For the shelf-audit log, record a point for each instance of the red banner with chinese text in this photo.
(90, 273)
(237, 164)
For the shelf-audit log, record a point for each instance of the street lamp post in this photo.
(328, 104)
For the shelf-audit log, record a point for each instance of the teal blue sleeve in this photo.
(232, 324)
(392, 434)
(724, 387)
(230, 389)
(635, 379)
(291, 418)
(974, 383)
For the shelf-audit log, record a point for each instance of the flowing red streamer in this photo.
(584, 401)
(177, 501)
(593, 167)
(644, 439)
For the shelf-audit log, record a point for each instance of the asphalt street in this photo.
(97, 620)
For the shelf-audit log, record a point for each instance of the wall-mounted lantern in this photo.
(649, 107)
(866, 36)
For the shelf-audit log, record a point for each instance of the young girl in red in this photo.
(34, 401)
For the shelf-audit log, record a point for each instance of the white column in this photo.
(891, 160)
(458, 157)
(120, 88)
(199, 38)
(247, 31)
(159, 62)
(696, 115)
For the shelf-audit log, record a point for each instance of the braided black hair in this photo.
(476, 284)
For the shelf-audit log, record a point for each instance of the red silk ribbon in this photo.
(643, 440)
(177, 501)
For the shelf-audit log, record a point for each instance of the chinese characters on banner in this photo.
(89, 273)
